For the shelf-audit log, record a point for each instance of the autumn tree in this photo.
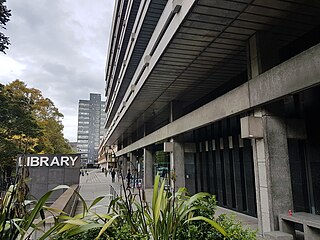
(48, 118)
(29, 123)
(18, 128)
(4, 18)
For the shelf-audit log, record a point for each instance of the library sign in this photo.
(35, 160)
(47, 171)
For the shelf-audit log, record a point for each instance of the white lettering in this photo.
(47, 161)
(34, 162)
(55, 161)
(73, 160)
(65, 160)
(44, 161)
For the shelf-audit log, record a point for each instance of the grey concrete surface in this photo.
(94, 185)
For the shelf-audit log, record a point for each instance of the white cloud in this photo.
(60, 48)
(11, 67)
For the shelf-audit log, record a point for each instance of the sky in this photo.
(59, 47)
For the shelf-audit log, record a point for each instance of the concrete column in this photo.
(271, 158)
(132, 162)
(272, 172)
(177, 153)
(148, 164)
(124, 166)
(177, 165)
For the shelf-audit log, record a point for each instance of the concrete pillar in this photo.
(177, 165)
(132, 162)
(148, 165)
(124, 166)
(272, 172)
(271, 158)
(177, 171)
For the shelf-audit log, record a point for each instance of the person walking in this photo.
(113, 175)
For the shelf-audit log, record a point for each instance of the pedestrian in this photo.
(113, 174)
(128, 178)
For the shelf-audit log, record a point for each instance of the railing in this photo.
(114, 194)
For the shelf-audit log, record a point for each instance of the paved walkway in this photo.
(96, 184)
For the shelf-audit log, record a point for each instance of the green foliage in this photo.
(18, 127)
(131, 219)
(29, 123)
(171, 216)
(19, 217)
(203, 229)
(234, 228)
(47, 116)
(4, 18)
(120, 233)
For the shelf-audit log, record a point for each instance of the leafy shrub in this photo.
(204, 231)
(235, 230)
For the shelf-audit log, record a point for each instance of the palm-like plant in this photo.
(19, 218)
(160, 221)
(167, 213)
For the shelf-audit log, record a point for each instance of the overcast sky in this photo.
(59, 47)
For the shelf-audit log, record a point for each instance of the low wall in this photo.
(67, 202)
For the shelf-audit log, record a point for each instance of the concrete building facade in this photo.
(224, 95)
(91, 117)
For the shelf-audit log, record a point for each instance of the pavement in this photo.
(96, 184)
(93, 185)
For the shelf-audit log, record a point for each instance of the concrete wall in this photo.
(45, 178)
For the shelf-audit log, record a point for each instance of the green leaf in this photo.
(103, 229)
(157, 207)
(77, 222)
(211, 222)
(83, 228)
(50, 231)
(155, 190)
(98, 199)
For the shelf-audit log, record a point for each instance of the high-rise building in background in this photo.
(91, 117)
(73, 146)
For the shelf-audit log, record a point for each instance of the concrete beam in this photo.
(293, 75)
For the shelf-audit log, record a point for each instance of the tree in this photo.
(4, 18)
(18, 129)
(29, 123)
(48, 118)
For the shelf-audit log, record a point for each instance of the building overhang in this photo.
(202, 48)
(245, 97)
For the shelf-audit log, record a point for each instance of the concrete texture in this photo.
(94, 185)
(277, 235)
(177, 164)
(298, 73)
(148, 164)
(46, 178)
(278, 169)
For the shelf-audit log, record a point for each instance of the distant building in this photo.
(90, 128)
(73, 146)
